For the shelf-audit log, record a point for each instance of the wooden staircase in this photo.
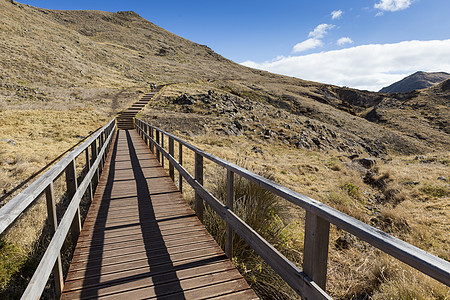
(125, 120)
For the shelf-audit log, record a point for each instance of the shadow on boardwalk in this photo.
(151, 234)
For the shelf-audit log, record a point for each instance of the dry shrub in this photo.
(265, 213)
(392, 221)
(355, 273)
(404, 282)
(394, 193)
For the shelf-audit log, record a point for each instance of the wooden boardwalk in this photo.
(141, 240)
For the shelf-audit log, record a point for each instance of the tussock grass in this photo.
(267, 215)
(359, 271)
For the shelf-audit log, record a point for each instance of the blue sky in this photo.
(343, 42)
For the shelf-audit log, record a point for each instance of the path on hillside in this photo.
(125, 119)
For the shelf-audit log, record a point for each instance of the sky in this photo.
(364, 44)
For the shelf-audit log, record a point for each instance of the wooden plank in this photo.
(162, 285)
(139, 260)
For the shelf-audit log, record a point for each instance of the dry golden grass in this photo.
(415, 215)
(40, 137)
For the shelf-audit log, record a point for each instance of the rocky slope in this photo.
(417, 81)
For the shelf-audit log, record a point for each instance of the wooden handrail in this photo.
(14, 208)
(51, 260)
(319, 216)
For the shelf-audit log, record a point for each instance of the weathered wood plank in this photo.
(315, 256)
(53, 225)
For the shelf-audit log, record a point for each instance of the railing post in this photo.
(100, 146)
(105, 153)
(229, 203)
(71, 184)
(53, 224)
(180, 161)
(94, 152)
(315, 256)
(157, 141)
(145, 127)
(162, 146)
(88, 166)
(151, 141)
(171, 152)
(199, 179)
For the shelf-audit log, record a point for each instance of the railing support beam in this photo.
(199, 179)
(53, 225)
(317, 232)
(229, 203)
(72, 185)
(180, 160)
(171, 152)
(157, 150)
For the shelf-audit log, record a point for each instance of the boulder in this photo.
(367, 163)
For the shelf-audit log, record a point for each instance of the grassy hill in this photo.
(65, 73)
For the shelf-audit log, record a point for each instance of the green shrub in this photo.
(351, 189)
(435, 190)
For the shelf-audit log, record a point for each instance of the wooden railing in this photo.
(99, 144)
(310, 282)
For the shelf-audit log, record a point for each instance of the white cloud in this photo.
(344, 40)
(368, 67)
(393, 5)
(336, 14)
(320, 31)
(307, 45)
(314, 40)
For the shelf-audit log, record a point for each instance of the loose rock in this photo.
(367, 163)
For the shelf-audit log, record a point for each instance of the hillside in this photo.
(65, 73)
(417, 81)
(101, 59)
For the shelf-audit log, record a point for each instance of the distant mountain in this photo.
(416, 81)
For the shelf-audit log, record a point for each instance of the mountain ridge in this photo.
(417, 81)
